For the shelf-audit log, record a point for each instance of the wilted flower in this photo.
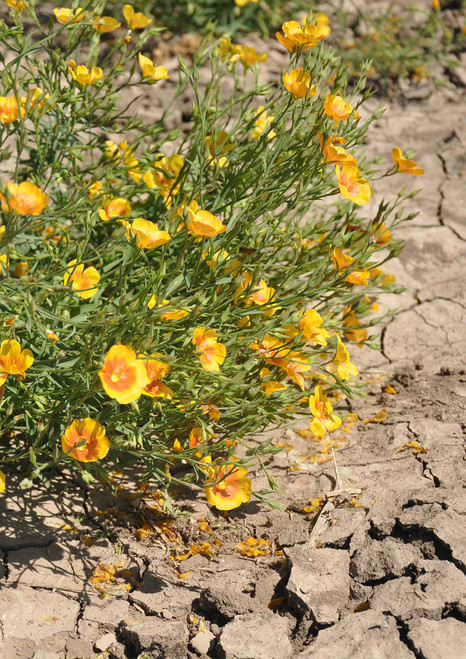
(11, 109)
(148, 233)
(123, 376)
(212, 353)
(233, 489)
(298, 83)
(404, 165)
(85, 440)
(136, 21)
(149, 70)
(351, 185)
(25, 198)
(13, 360)
(83, 281)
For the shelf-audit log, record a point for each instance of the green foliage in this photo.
(283, 213)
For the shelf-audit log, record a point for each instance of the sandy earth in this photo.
(378, 571)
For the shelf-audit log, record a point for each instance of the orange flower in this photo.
(205, 224)
(82, 280)
(123, 376)
(104, 24)
(404, 165)
(304, 37)
(212, 353)
(83, 75)
(212, 411)
(10, 109)
(233, 489)
(136, 21)
(353, 332)
(117, 207)
(324, 419)
(13, 360)
(196, 437)
(64, 15)
(155, 73)
(25, 198)
(88, 436)
(148, 233)
(156, 370)
(351, 185)
(298, 83)
(337, 108)
(294, 365)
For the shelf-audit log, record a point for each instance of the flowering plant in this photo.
(167, 295)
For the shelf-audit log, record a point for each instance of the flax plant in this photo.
(168, 295)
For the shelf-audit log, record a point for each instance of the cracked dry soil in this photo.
(385, 578)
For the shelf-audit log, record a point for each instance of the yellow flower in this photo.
(337, 108)
(334, 153)
(25, 198)
(104, 24)
(64, 15)
(351, 185)
(21, 269)
(304, 37)
(342, 261)
(346, 368)
(405, 166)
(2, 477)
(83, 75)
(248, 56)
(136, 21)
(82, 280)
(175, 314)
(310, 326)
(156, 370)
(242, 3)
(262, 123)
(205, 224)
(166, 172)
(148, 233)
(233, 489)
(10, 109)
(298, 83)
(19, 6)
(13, 360)
(123, 376)
(155, 73)
(117, 207)
(212, 353)
(324, 419)
(85, 440)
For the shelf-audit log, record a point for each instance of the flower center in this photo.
(115, 376)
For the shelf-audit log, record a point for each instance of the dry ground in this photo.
(379, 571)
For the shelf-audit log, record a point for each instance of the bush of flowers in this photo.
(165, 296)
